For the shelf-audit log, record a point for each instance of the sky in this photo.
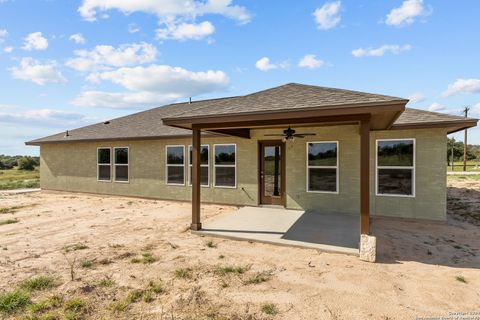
(66, 64)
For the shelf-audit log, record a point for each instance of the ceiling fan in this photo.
(289, 134)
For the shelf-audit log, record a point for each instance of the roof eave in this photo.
(40, 142)
(454, 125)
(186, 122)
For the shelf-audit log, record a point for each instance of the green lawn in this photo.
(19, 179)
(471, 166)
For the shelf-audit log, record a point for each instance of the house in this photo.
(297, 146)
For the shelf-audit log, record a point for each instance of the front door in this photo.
(272, 172)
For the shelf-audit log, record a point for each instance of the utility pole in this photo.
(465, 142)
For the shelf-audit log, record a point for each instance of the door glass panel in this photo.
(272, 171)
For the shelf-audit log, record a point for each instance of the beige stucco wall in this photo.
(72, 167)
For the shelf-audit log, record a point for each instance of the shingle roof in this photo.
(144, 124)
(288, 97)
(149, 125)
(415, 116)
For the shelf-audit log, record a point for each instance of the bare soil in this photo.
(118, 245)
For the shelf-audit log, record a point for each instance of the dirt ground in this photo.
(117, 246)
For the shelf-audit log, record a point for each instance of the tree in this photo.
(26, 163)
(458, 151)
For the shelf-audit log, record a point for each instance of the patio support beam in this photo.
(196, 143)
(364, 177)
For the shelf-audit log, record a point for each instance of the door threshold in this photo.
(272, 206)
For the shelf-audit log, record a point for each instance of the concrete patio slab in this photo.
(333, 232)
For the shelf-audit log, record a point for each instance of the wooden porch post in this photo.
(196, 143)
(364, 176)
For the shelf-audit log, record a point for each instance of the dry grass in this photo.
(181, 276)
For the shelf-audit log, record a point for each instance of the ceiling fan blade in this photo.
(298, 136)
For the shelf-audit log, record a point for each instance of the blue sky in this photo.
(65, 64)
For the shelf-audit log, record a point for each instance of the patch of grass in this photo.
(10, 209)
(38, 307)
(9, 221)
(135, 296)
(107, 282)
(147, 258)
(45, 316)
(19, 179)
(74, 308)
(221, 256)
(231, 269)
(13, 301)
(88, 264)
(38, 283)
(75, 247)
(270, 309)
(119, 306)
(257, 278)
(210, 244)
(148, 297)
(461, 279)
(156, 287)
(183, 273)
(130, 203)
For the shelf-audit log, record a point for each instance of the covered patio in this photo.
(326, 231)
(297, 106)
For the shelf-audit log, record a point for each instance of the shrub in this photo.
(26, 163)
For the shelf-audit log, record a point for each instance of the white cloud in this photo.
(186, 31)
(121, 100)
(43, 118)
(133, 28)
(264, 64)
(416, 97)
(152, 85)
(77, 38)
(436, 107)
(35, 41)
(462, 86)
(32, 70)
(380, 51)
(310, 61)
(3, 35)
(165, 79)
(104, 57)
(407, 13)
(476, 109)
(328, 15)
(166, 10)
(8, 49)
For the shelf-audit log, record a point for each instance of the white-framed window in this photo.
(204, 165)
(225, 165)
(395, 167)
(175, 165)
(121, 159)
(104, 164)
(322, 166)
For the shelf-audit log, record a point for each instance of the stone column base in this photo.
(368, 248)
